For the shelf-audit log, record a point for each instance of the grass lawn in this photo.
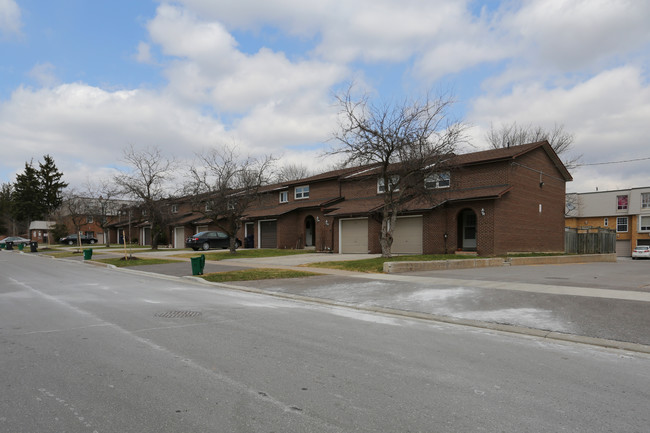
(134, 261)
(60, 254)
(245, 253)
(377, 264)
(255, 274)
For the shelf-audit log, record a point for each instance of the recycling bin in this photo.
(88, 254)
(21, 247)
(198, 263)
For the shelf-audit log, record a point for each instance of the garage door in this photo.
(354, 236)
(623, 248)
(268, 234)
(407, 236)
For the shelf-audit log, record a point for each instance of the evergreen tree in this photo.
(51, 185)
(5, 207)
(27, 197)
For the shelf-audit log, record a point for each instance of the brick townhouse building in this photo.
(625, 210)
(490, 202)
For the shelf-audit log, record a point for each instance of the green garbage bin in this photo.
(3, 245)
(21, 247)
(88, 254)
(198, 263)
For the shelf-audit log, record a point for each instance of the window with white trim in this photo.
(437, 180)
(301, 192)
(174, 208)
(644, 223)
(645, 200)
(284, 196)
(89, 219)
(606, 222)
(621, 202)
(621, 224)
(381, 187)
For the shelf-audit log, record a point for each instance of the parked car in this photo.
(210, 239)
(17, 240)
(72, 240)
(641, 252)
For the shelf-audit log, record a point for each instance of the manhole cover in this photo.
(178, 314)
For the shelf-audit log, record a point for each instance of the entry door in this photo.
(469, 230)
(179, 237)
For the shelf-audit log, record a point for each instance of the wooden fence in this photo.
(602, 241)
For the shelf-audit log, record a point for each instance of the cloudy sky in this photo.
(82, 80)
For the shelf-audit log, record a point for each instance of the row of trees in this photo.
(35, 195)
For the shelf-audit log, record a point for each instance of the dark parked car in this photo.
(207, 240)
(72, 240)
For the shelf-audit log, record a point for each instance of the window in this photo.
(621, 224)
(174, 208)
(644, 224)
(144, 212)
(381, 188)
(302, 192)
(284, 196)
(606, 222)
(621, 201)
(208, 208)
(437, 180)
(89, 219)
(645, 200)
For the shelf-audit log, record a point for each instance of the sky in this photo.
(84, 80)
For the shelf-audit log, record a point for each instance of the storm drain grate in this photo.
(178, 314)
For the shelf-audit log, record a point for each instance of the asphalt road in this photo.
(90, 349)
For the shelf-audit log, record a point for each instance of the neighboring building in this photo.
(627, 211)
(39, 231)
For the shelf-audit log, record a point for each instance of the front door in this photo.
(468, 230)
(309, 231)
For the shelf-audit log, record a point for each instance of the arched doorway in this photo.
(467, 230)
(310, 225)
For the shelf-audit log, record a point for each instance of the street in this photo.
(89, 349)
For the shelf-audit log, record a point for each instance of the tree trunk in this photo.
(386, 239)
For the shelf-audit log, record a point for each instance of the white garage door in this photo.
(354, 236)
(623, 248)
(407, 236)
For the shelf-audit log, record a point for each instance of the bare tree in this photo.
(513, 134)
(290, 172)
(407, 142)
(147, 183)
(104, 193)
(77, 209)
(226, 185)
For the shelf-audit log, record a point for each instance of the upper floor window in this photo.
(606, 222)
(381, 187)
(645, 200)
(621, 224)
(284, 196)
(208, 208)
(89, 219)
(144, 212)
(174, 208)
(302, 192)
(621, 202)
(437, 180)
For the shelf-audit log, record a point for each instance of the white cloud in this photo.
(608, 115)
(10, 17)
(43, 74)
(85, 128)
(143, 53)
